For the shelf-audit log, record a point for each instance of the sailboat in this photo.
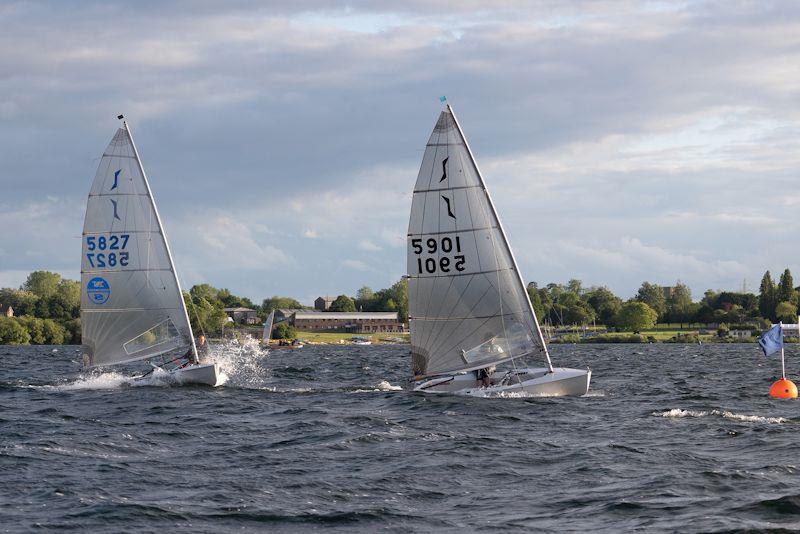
(268, 329)
(132, 307)
(470, 316)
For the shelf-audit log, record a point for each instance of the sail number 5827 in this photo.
(107, 251)
(443, 246)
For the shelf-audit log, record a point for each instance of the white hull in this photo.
(203, 373)
(530, 381)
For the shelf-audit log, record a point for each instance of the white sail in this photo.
(268, 327)
(468, 307)
(132, 307)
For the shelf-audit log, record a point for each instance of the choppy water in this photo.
(672, 437)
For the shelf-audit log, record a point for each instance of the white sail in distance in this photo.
(132, 307)
(268, 327)
(468, 306)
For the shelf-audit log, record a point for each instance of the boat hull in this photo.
(204, 373)
(530, 381)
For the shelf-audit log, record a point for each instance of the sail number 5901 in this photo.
(444, 264)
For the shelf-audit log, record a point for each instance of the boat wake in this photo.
(679, 413)
(109, 380)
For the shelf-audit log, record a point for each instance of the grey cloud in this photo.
(243, 108)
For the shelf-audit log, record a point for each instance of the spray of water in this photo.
(241, 363)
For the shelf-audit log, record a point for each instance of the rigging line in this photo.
(441, 303)
(522, 287)
(469, 316)
(458, 343)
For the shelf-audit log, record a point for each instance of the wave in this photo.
(383, 385)
(679, 413)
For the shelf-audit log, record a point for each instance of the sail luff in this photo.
(505, 238)
(163, 234)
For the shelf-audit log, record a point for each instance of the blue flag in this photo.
(442, 99)
(772, 340)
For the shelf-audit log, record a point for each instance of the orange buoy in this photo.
(783, 389)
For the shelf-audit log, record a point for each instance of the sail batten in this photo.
(468, 307)
(131, 302)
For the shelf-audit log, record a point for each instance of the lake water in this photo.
(671, 437)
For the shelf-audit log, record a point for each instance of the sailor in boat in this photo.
(484, 376)
(202, 348)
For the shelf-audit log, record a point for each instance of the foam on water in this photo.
(383, 385)
(680, 413)
(110, 380)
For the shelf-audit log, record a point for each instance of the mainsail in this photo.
(132, 307)
(268, 327)
(468, 307)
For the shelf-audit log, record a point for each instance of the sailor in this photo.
(202, 348)
(484, 376)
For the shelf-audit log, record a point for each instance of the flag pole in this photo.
(783, 360)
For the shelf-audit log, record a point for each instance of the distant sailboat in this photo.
(268, 328)
(132, 306)
(469, 310)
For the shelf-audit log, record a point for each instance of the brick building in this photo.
(242, 315)
(355, 322)
(323, 303)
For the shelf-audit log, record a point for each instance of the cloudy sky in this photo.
(622, 141)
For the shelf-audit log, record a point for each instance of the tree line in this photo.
(47, 306)
(46, 311)
(571, 304)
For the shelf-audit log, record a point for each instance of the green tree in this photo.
(786, 312)
(536, 301)
(277, 303)
(766, 297)
(364, 298)
(73, 332)
(34, 327)
(575, 286)
(230, 300)
(573, 310)
(23, 302)
(653, 296)
(679, 304)
(54, 333)
(42, 283)
(605, 304)
(13, 333)
(204, 291)
(284, 331)
(343, 303)
(205, 316)
(399, 294)
(636, 316)
(785, 291)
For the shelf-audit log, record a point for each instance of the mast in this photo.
(161, 229)
(505, 239)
